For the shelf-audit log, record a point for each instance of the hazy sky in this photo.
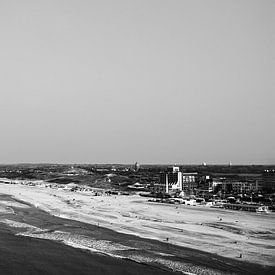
(152, 81)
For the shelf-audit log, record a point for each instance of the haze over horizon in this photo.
(151, 81)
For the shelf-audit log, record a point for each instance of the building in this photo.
(245, 187)
(174, 180)
(268, 181)
(171, 180)
(189, 183)
(136, 167)
(228, 186)
(205, 185)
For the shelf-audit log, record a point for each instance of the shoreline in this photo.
(147, 252)
(135, 216)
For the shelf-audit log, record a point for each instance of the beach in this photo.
(240, 239)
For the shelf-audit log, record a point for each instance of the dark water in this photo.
(26, 255)
(22, 255)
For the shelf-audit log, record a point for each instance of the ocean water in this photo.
(24, 255)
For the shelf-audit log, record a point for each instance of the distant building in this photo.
(268, 181)
(136, 166)
(175, 180)
(205, 184)
(227, 186)
(245, 187)
(221, 185)
(173, 169)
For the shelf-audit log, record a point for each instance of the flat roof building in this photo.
(175, 180)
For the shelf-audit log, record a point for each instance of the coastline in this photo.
(133, 215)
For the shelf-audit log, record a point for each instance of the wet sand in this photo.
(191, 232)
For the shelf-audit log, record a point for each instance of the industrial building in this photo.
(176, 181)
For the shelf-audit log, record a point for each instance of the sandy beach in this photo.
(222, 232)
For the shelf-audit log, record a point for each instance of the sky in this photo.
(153, 81)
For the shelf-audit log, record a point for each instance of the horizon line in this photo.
(160, 164)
